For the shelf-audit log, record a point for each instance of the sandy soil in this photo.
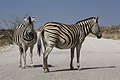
(100, 60)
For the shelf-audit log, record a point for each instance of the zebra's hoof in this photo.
(20, 66)
(79, 69)
(46, 70)
(31, 65)
(24, 67)
(71, 68)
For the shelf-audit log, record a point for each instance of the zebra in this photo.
(25, 36)
(64, 36)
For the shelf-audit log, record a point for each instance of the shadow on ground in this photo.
(82, 69)
(36, 66)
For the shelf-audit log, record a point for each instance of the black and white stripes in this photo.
(64, 36)
(25, 37)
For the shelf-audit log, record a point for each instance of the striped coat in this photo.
(25, 36)
(64, 36)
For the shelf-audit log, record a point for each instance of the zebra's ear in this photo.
(97, 19)
(25, 19)
(29, 20)
(33, 19)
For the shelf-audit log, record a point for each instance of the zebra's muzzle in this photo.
(99, 35)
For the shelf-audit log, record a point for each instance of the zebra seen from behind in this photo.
(64, 36)
(25, 36)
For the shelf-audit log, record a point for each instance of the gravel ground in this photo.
(100, 60)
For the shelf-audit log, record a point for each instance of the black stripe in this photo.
(88, 23)
(52, 41)
(72, 34)
(26, 39)
(67, 28)
(76, 31)
(56, 34)
(26, 36)
(17, 39)
(61, 28)
(24, 32)
(85, 22)
(54, 37)
(83, 28)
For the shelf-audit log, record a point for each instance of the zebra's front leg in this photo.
(78, 48)
(45, 57)
(24, 57)
(31, 56)
(72, 56)
(24, 61)
(20, 53)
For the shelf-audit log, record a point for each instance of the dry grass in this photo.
(6, 37)
(112, 32)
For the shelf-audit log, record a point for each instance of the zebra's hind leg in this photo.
(45, 57)
(72, 56)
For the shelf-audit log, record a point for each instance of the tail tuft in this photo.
(39, 47)
(39, 44)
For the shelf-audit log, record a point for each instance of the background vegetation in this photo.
(111, 32)
(6, 37)
(7, 28)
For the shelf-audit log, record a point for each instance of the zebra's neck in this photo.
(86, 26)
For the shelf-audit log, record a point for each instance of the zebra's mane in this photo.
(85, 20)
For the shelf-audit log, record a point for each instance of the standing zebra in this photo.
(25, 37)
(63, 36)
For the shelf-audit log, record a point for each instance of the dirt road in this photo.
(100, 60)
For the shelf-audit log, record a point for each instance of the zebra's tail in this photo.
(39, 43)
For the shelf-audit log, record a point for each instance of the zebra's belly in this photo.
(62, 47)
(66, 45)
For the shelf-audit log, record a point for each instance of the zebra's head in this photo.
(29, 21)
(29, 24)
(95, 28)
